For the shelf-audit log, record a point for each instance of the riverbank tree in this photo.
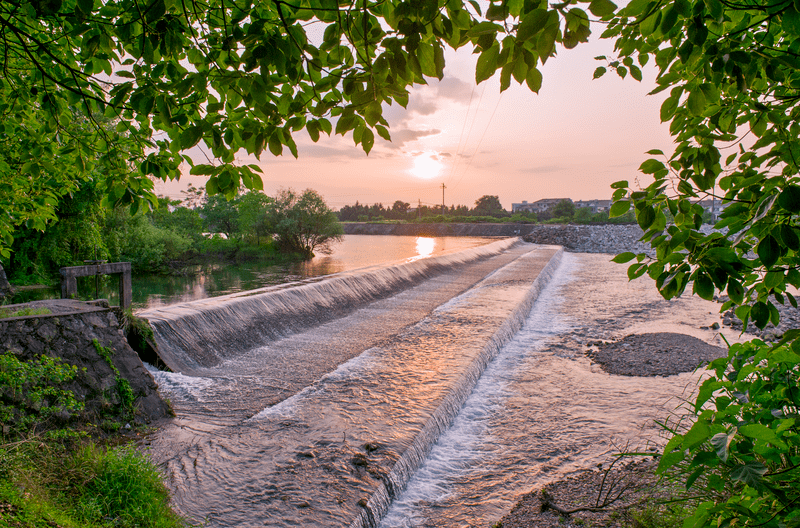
(303, 223)
(174, 234)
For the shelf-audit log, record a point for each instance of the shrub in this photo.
(30, 393)
(741, 455)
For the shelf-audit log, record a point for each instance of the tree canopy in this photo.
(234, 76)
(732, 72)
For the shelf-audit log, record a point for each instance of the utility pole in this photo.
(443, 188)
(419, 208)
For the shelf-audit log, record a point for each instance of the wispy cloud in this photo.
(541, 169)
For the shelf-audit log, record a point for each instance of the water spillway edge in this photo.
(204, 333)
(413, 457)
(340, 450)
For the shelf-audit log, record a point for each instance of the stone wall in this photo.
(69, 334)
(611, 238)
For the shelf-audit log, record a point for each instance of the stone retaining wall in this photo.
(68, 335)
(606, 238)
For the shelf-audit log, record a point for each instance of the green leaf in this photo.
(622, 258)
(190, 137)
(599, 72)
(669, 106)
(534, 80)
(750, 473)
(367, 140)
(769, 251)
(619, 208)
(645, 217)
(532, 23)
(704, 286)
(651, 166)
(759, 312)
(696, 102)
(275, 145)
(789, 199)
(696, 435)
(601, 8)
(761, 432)
(735, 291)
(789, 237)
(487, 64)
(722, 443)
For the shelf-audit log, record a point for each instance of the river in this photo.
(211, 280)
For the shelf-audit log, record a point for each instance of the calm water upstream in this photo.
(540, 411)
(211, 280)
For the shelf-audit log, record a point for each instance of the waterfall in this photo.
(203, 333)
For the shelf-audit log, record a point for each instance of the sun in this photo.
(426, 166)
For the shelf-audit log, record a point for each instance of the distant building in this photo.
(539, 206)
(595, 206)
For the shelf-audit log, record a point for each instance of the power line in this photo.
(488, 123)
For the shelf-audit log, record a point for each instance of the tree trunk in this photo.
(5, 286)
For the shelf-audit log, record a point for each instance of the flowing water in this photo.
(538, 411)
(543, 410)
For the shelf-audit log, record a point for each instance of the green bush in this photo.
(150, 248)
(88, 486)
(740, 456)
(125, 489)
(31, 393)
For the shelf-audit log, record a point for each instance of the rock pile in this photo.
(590, 238)
(657, 354)
(790, 318)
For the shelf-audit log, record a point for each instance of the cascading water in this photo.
(337, 452)
(340, 451)
(201, 334)
(542, 409)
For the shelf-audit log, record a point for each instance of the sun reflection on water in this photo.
(425, 247)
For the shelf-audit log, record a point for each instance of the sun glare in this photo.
(426, 166)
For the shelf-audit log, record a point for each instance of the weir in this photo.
(337, 452)
(200, 334)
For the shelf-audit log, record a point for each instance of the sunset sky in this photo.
(573, 139)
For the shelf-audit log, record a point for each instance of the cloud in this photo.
(401, 137)
(454, 89)
(426, 100)
(423, 106)
(344, 153)
(541, 169)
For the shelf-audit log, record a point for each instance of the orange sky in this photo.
(572, 140)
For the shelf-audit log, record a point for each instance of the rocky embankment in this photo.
(605, 238)
(590, 238)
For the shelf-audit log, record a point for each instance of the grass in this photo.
(661, 516)
(86, 485)
(22, 312)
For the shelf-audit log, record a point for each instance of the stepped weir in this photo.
(313, 404)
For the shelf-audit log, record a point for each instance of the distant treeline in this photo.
(487, 209)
